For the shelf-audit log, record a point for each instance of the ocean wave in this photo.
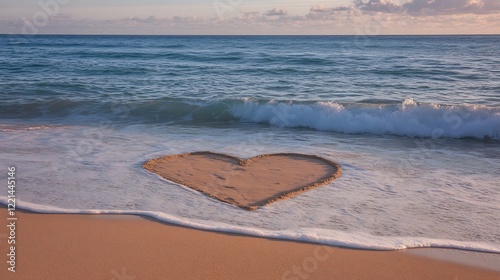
(408, 118)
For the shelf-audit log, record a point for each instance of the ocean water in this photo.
(414, 121)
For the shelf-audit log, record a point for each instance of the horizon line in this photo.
(248, 35)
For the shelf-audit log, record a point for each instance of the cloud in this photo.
(378, 6)
(319, 9)
(429, 7)
(323, 9)
(449, 7)
(366, 17)
(276, 12)
(136, 19)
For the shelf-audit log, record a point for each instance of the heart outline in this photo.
(150, 166)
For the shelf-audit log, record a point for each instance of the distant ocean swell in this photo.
(408, 118)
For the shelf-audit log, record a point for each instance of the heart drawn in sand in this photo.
(249, 183)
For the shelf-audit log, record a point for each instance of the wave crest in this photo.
(406, 119)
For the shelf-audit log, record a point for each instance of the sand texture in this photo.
(247, 183)
(116, 247)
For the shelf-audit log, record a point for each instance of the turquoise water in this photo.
(414, 121)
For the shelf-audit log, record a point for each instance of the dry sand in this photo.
(246, 183)
(64, 246)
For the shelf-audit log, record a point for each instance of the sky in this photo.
(265, 17)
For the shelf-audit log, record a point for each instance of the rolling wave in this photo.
(408, 118)
(405, 119)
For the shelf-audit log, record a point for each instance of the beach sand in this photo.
(123, 247)
(248, 183)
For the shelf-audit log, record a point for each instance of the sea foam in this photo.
(406, 119)
(357, 240)
(379, 202)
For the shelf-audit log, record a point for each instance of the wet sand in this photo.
(247, 183)
(124, 247)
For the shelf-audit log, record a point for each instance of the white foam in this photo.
(358, 240)
(406, 119)
(377, 203)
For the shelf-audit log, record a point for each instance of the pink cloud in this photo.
(276, 12)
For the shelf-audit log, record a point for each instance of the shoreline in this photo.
(338, 241)
(58, 246)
